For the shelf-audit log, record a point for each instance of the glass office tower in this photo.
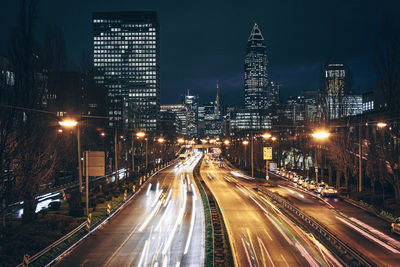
(126, 53)
(255, 72)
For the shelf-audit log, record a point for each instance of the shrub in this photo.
(76, 212)
(58, 221)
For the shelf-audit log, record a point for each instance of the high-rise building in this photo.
(260, 96)
(255, 71)
(126, 53)
(191, 104)
(180, 117)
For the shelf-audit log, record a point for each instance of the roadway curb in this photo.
(222, 251)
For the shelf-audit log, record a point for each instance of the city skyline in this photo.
(296, 57)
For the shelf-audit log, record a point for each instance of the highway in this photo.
(162, 226)
(363, 231)
(260, 235)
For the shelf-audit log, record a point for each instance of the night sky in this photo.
(205, 41)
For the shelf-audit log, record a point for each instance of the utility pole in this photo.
(147, 145)
(79, 158)
(133, 152)
(359, 160)
(116, 154)
(252, 155)
(87, 182)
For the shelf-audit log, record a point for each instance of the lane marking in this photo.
(119, 248)
(285, 260)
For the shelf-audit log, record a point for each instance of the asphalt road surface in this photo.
(365, 232)
(259, 233)
(162, 226)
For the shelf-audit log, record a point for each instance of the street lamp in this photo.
(69, 123)
(319, 135)
(143, 134)
(226, 142)
(181, 140)
(266, 136)
(381, 124)
(273, 138)
(245, 143)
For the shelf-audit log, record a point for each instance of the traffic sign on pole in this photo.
(267, 155)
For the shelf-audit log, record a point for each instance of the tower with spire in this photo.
(255, 71)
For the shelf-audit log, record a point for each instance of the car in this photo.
(300, 181)
(311, 185)
(396, 226)
(295, 179)
(329, 191)
(305, 183)
(318, 187)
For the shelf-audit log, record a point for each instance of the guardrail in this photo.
(93, 228)
(350, 256)
(221, 245)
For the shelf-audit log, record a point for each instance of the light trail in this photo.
(168, 198)
(156, 198)
(376, 231)
(306, 255)
(156, 208)
(191, 226)
(143, 253)
(247, 253)
(266, 251)
(178, 222)
(279, 229)
(376, 240)
(148, 189)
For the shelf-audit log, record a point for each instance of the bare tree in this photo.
(32, 139)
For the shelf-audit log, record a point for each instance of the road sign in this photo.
(96, 162)
(267, 153)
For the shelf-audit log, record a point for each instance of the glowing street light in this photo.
(72, 123)
(181, 140)
(381, 124)
(103, 134)
(226, 142)
(140, 134)
(161, 140)
(273, 138)
(68, 123)
(321, 135)
(60, 130)
(245, 142)
(266, 135)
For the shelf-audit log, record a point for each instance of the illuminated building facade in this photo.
(126, 52)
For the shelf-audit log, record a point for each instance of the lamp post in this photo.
(161, 140)
(69, 123)
(319, 135)
(267, 136)
(245, 143)
(140, 135)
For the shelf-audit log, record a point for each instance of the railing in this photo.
(341, 247)
(93, 228)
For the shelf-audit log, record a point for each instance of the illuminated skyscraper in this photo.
(126, 56)
(255, 72)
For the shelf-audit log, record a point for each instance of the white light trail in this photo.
(370, 236)
(143, 253)
(156, 208)
(148, 189)
(191, 225)
(168, 197)
(194, 192)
